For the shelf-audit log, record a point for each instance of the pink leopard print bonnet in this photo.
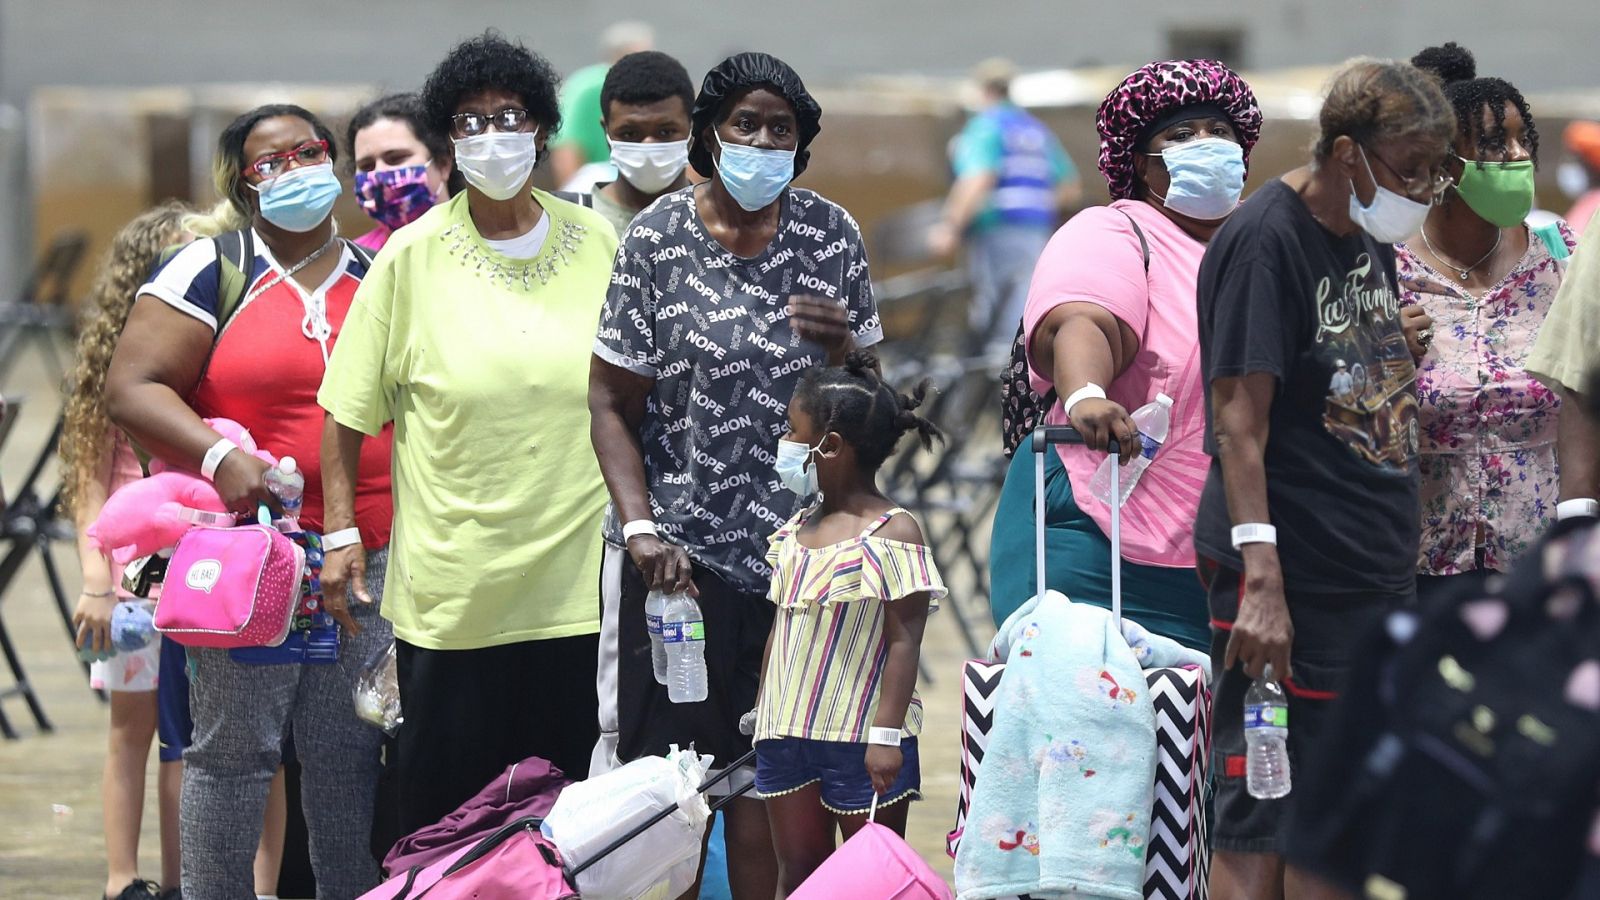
(1153, 90)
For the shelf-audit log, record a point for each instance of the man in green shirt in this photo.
(581, 140)
(645, 102)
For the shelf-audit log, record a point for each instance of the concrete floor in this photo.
(50, 832)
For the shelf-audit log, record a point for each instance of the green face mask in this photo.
(1501, 193)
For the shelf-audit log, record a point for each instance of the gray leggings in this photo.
(241, 714)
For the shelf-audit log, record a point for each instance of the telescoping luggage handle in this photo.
(1043, 437)
(619, 843)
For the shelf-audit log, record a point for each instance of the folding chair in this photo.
(19, 529)
(43, 314)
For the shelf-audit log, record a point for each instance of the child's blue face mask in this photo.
(792, 470)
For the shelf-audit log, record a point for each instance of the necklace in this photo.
(284, 274)
(1461, 273)
(561, 246)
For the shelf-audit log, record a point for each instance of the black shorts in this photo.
(1327, 627)
(635, 706)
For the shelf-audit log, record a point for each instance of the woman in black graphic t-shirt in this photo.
(1308, 521)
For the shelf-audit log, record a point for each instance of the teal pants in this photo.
(1170, 602)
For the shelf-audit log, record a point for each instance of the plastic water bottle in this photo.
(1266, 737)
(683, 632)
(1153, 421)
(654, 605)
(288, 485)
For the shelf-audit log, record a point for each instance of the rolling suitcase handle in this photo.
(614, 846)
(1043, 437)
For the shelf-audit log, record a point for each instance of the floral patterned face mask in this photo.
(395, 197)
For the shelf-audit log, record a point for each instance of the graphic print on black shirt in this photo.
(712, 329)
(1372, 402)
(1279, 294)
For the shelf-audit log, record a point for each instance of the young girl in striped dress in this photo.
(838, 713)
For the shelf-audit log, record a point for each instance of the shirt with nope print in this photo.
(713, 330)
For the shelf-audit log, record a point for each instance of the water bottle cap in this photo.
(288, 466)
(1164, 400)
(1266, 673)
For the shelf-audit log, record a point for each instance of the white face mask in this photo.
(651, 168)
(498, 163)
(1391, 218)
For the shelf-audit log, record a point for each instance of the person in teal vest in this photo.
(1014, 183)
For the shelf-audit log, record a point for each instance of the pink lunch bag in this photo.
(231, 587)
(875, 864)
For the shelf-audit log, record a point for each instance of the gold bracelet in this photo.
(100, 595)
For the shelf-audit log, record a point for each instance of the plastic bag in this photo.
(590, 815)
(377, 692)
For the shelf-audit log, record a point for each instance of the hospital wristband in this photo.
(884, 737)
(1084, 393)
(1579, 508)
(214, 457)
(338, 540)
(637, 527)
(1254, 533)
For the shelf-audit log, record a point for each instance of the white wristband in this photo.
(1581, 507)
(1254, 533)
(338, 540)
(884, 737)
(637, 527)
(1087, 391)
(214, 457)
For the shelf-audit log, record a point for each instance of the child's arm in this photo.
(904, 621)
(92, 619)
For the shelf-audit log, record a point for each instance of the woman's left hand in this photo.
(344, 572)
(883, 764)
(1418, 328)
(822, 321)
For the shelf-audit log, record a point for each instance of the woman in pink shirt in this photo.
(402, 167)
(1110, 323)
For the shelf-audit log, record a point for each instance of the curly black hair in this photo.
(649, 76)
(405, 108)
(490, 62)
(854, 400)
(1468, 94)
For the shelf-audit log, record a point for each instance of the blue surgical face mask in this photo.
(299, 199)
(754, 177)
(792, 470)
(1207, 177)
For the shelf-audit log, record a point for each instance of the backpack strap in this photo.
(362, 254)
(585, 199)
(236, 256)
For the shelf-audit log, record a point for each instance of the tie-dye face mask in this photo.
(395, 197)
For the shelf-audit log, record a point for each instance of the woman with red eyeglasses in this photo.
(240, 326)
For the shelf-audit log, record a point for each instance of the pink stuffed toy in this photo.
(146, 516)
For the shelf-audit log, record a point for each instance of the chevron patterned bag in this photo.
(1177, 856)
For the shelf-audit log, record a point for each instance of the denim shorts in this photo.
(785, 765)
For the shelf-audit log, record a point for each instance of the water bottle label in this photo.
(1148, 446)
(673, 632)
(652, 624)
(1264, 716)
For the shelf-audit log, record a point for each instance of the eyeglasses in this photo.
(471, 124)
(1433, 183)
(311, 153)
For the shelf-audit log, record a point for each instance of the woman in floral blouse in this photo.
(1477, 282)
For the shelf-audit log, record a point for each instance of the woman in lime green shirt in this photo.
(472, 335)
